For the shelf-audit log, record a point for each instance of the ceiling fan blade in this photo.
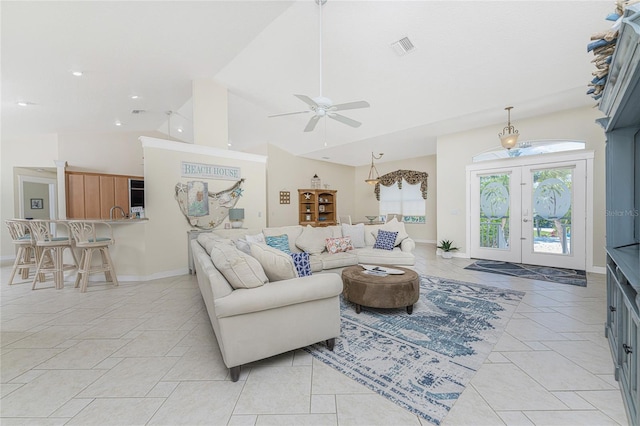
(288, 113)
(346, 120)
(350, 105)
(312, 123)
(307, 100)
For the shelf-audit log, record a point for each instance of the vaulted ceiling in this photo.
(471, 59)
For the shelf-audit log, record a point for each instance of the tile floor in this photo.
(144, 353)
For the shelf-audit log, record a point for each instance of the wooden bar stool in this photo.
(26, 255)
(85, 235)
(50, 249)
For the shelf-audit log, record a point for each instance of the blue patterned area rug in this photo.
(542, 273)
(422, 361)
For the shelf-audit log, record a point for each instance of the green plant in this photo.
(447, 245)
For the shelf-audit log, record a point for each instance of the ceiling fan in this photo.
(322, 106)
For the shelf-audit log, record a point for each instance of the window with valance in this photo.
(403, 192)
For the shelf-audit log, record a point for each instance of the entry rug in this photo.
(542, 273)
(422, 361)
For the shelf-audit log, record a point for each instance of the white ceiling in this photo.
(472, 59)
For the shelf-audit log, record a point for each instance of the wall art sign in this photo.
(209, 171)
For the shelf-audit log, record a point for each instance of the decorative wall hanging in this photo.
(285, 197)
(411, 176)
(217, 203)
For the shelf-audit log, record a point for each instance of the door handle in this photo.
(525, 220)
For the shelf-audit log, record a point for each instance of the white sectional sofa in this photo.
(258, 302)
(401, 255)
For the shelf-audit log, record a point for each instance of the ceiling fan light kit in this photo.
(322, 106)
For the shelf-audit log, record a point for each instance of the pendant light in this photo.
(374, 176)
(509, 135)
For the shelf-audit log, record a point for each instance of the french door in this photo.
(532, 214)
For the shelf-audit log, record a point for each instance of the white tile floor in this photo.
(144, 353)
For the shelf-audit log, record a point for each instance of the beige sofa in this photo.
(256, 318)
(401, 255)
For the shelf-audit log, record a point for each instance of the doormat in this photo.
(542, 273)
(423, 361)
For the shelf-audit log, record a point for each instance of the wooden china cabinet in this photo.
(317, 207)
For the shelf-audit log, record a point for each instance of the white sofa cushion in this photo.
(240, 269)
(277, 264)
(313, 240)
(394, 226)
(336, 260)
(356, 232)
(208, 240)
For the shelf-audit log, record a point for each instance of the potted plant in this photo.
(447, 247)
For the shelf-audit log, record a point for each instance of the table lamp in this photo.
(236, 217)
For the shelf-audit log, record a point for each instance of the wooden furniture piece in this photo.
(317, 207)
(26, 255)
(389, 291)
(50, 247)
(92, 195)
(85, 235)
(621, 103)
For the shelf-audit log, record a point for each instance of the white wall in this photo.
(286, 172)
(38, 191)
(33, 151)
(367, 204)
(455, 152)
(165, 234)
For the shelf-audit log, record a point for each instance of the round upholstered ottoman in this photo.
(389, 291)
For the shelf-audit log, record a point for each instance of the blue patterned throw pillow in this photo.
(281, 242)
(301, 261)
(386, 240)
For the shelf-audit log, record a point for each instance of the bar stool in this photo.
(50, 250)
(86, 239)
(26, 255)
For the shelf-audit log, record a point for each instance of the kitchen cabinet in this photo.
(92, 195)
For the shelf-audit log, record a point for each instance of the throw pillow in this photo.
(394, 226)
(337, 245)
(243, 245)
(277, 264)
(312, 240)
(385, 240)
(356, 233)
(258, 238)
(240, 269)
(302, 264)
(281, 242)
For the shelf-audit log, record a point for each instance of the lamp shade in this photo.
(236, 214)
(510, 140)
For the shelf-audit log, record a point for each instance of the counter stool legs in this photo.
(85, 268)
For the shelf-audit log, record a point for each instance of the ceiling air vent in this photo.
(138, 111)
(403, 46)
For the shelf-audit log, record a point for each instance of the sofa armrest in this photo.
(277, 294)
(407, 245)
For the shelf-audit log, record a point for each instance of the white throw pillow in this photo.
(313, 240)
(394, 226)
(243, 245)
(277, 264)
(356, 232)
(258, 238)
(240, 269)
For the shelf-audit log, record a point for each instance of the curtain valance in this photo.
(411, 176)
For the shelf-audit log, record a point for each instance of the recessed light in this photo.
(180, 130)
(135, 97)
(118, 123)
(23, 103)
(77, 73)
(228, 143)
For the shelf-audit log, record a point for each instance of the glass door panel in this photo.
(553, 207)
(495, 215)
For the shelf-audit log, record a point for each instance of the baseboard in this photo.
(597, 270)
(425, 241)
(154, 276)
